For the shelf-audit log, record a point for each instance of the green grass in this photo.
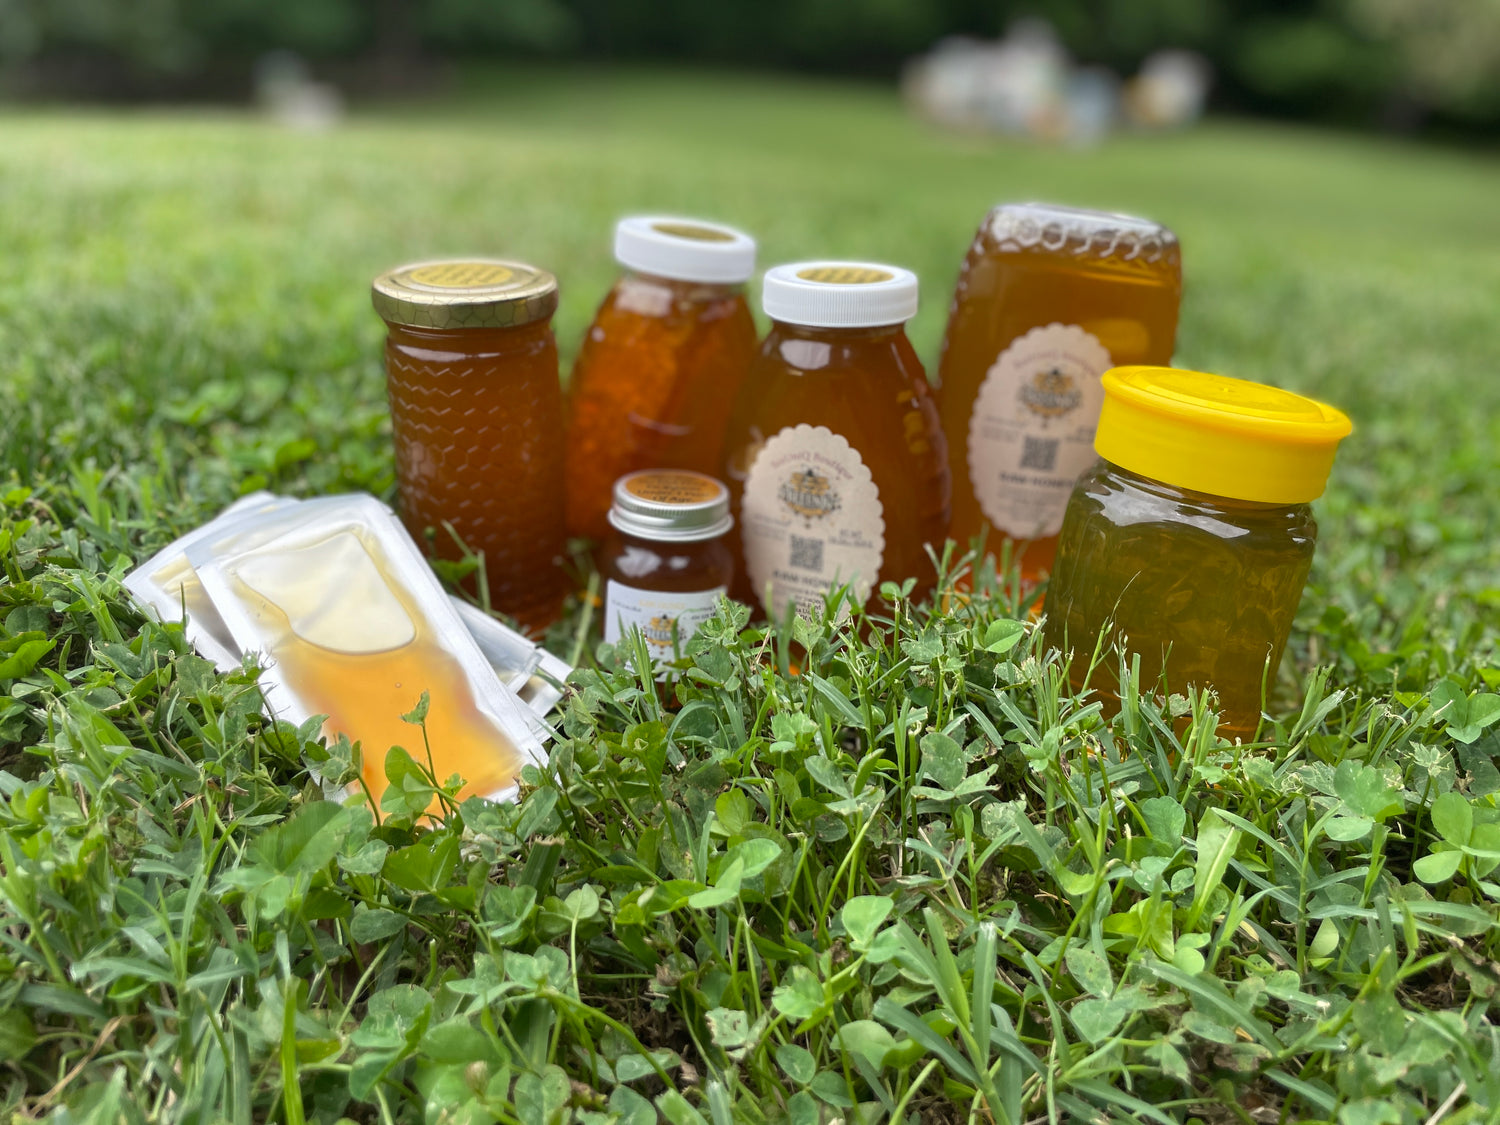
(917, 879)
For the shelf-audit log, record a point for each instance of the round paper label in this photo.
(1031, 435)
(812, 520)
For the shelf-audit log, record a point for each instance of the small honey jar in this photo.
(1190, 541)
(666, 565)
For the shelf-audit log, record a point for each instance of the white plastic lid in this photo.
(840, 294)
(685, 249)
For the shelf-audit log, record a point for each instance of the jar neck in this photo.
(522, 337)
(879, 333)
(1178, 495)
(666, 546)
(692, 291)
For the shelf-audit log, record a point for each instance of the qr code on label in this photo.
(1039, 453)
(807, 554)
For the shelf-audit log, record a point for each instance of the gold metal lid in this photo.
(465, 293)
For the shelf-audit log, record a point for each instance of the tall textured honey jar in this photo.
(476, 413)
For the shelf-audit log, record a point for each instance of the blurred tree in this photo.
(1449, 50)
(1344, 59)
(468, 26)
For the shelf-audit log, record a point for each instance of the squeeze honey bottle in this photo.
(662, 361)
(666, 565)
(476, 412)
(1190, 542)
(835, 457)
(1048, 299)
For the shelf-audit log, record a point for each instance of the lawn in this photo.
(916, 879)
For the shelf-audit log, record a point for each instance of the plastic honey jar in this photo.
(476, 413)
(1048, 299)
(835, 456)
(666, 565)
(662, 361)
(1190, 542)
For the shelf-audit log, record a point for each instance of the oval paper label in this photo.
(812, 520)
(1031, 435)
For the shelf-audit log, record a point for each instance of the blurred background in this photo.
(1394, 64)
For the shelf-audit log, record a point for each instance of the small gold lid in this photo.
(465, 293)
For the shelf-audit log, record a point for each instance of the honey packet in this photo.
(167, 584)
(352, 624)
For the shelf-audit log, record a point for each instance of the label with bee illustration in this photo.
(666, 619)
(1031, 435)
(811, 520)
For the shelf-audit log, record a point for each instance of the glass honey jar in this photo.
(1190, 541)
(662, 361)
(1048, 299)
(665, 565)
(476, 413)
(835, 457)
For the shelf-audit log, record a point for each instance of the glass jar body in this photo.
(1202, 587)
(1038, 315)
(665, 589)
(652, 387)
(836, 465)
(476, 414)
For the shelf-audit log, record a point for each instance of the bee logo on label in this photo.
(658, 631)
(810, 494)
(1051, 393)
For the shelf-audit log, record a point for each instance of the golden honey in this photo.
(1190, 542)
(365, 693)
(1048, 299)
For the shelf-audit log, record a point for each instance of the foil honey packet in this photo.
(351, 623)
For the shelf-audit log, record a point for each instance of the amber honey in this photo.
(365, 694)
(1048, 299)
(835, 460)
(661, 363)
(665, 564)
(476, 414)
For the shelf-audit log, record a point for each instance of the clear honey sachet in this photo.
(168, 585)
(352, 624)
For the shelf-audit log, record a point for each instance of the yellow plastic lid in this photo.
(1217, 435)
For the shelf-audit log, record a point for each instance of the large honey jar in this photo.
(476, 413)
(1048, 299)
(662, 361)
(835, 457)
(1190, 541)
